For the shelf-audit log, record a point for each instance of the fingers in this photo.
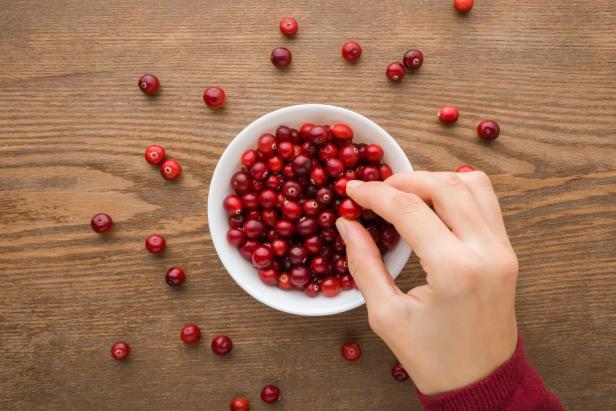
(452, 200)
(417, 224)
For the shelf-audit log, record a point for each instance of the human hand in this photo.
(460, 326)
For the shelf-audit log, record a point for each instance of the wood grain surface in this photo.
(74, 125)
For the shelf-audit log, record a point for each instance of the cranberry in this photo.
(267, 198)
(320, 265)
(214, 97)
(232, 204)
(269, 217)
(389, 236)
(370, 173)
(268, 275)
(348, 155)
(288, 26)
(155, 243)
(346, 282)
(222, 345)
(149, 84)
(236, 221)
(291, 190)
(175, 276)
(297, 254)
(488, 130)
(313, 244)
(395, 71)
(350, 174)
(310, 191)
(101, 222)
(305, 129)
(330, 287)
(301, 165)
(266, 145)
(154, 154)
(258, 171)
(248, 248)
(318, 135)
(374, 153)
(236, 237)
(326, 219)
(398, 372)
(262, 257)
(341, 132)
(120, 350)
(240, 182)
(311, 208)
(351, 51)
(329, 235)
(351, 351)
(249, 157)
(413, 59)
(309, 149)
(334, 167)
(306, 227)
(349, 209)
(250, 201)
(280, 247)
(281, 57)
(284, 282)
(341, 265)
(463, 6)
(327, 151)
(385, 172)
(312, 289)
(339, 186)
(239, 404)
(291, 210)
(253, 229)
(273, 181)
(300, 276)
(283, 134)
(318, 176)
(190, 334)
(170, 169)
(270, 394)
(285, 150)
(448, 114)
(284, 228)
(465, 169)
(324, 196)
(375, 232)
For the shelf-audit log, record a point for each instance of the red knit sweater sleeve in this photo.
(513, 386)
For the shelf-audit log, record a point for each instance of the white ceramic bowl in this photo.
(241, 270)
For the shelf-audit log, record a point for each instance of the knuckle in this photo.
(450, 179)
(480, 178)
(406, 202)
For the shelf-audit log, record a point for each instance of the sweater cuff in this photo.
(485, 394)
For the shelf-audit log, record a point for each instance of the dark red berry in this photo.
(236, 221)
(284, 282)
(101, 222)
(270, 394)
(291, 210)
(262, 257)
(330, 286)
(349, 155)
(266, 145)
(120, 350)
(154, 154)
(149, 84)
(239, 404)
(327, 151)
(488, 130)
(313, 244)
(285, 150)
(320, 265)
(370, 173)
(233, 204)
(395, 71)
(236, 237)
(268, 275)
(214, 97)
(398, 372)
(385, 172)
(253, 229)
(351, 351)
(351, 51)
(334, 167)
(349, 209)
(281, 57)
(267, 198)
(389, 236)
(300, 276)
(306, 227)
(190, 334)
(413, 59)
(448, 114)
(280, 247)
(222, 345)
(326, 219)
(155, 243)
(249, 157)
(301, 165)
(346, 282)
(463, 6)
(288, 26)
(171, 169)
(248, 248)
(374, 153)
(312, 289)
(291, 190)
(318, 176)
(284, 228)
(175, 276)
(318, 135)
(258, 171)
(240, 182)
(297, 254)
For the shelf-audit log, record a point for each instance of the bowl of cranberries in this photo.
(276, 194)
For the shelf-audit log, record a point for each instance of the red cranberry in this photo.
(291, 210)
(281, 57)
(329, 235)
(327, 151)
(273, 181)
(385, 172)
(269, 217)
(274, 164)
(249, 157)
(283, 134)
(268, 275)
(252, 215)
(305, 129)
(154, 154)
(370, 173)
(301, 165)
(175, 276)
(232, 204)
(488, 130)
(253, 229)
(313, 244)
(318, 176)
(222, 345)
(285, 150)
(267, 145)
(413, 59)
(341, 132)
(375, 232)
(250, 201)
(351, 51)
(240, 182)
(349, 209)
(311, 207)
(236, 237)
(190, 334)
(374, 153)
(248, 248)
(330, 287)
(306, 227)
(171, 170)
(284, 282)
(279, 247)
(312, 289)
(236, 221)
(149, 84)
(398, 372)
(292, 190)
(448, 114)
(465, 169)
(318, 135)
(101, 222)
(284, 228)
(324, 196)
(351, 351)
(267, 198)
(463, 6)
(120, 351)
(300, 276)
(395, 71)
(347, 282)
(341, 265)
(389, 236)
(334, 167)
(320, 265)
(214, 97)
(288, 26)
(326, 219)
(257, 185)
(309, 149)
(348, 155)
(270, 394)
(350, 174)
(239, 404)
(258, 171)
(262, 257)
(297, 254)
(310, 190)
(339, 186)
(155, 243)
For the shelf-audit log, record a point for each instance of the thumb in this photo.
(365, 263)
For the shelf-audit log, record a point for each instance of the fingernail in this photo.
(354, 183)
(342, 228)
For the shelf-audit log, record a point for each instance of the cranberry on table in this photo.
(175, 276)
(149, 84)
(413, 59)
(395, 71)
(448, 114)
(190, 334)
(465, 169)
(351, 51)
(101, 223)
(239, 404)
(330, 286)
(214, 97)
(351, 351)
(155, 243)
(288, 26)
(171, 169)
(270, 394)
(154, 154)
(120, 350)
(488, 130)
(222, 345)
(398, 372)
(463, 6)
(349, 209)
(281, 57)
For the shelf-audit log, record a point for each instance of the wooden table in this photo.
(74, 125)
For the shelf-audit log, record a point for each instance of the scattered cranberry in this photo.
(154, 154)
(395, 71)
(190, 334)
(239, 404)
(270, 394)
(222, 345)
(463, 6)
(155, 243)
(488, 130)
(281, 57)
(413, 59)
(175, 276)
(448, 114)
(120, 350)
(398, 372)
(170, 170)
(351, 51)
(465, 169)
(214, 97)
(101, 222)
(149, 84)
(351, 351)
(288, 26)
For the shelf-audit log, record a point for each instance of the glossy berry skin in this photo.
(385, 172)
(373, 153)
(448, 114)
(488, 130)
(351, 51)
(465, 169)
(120, 351)
(149, 84)
(349, 209)
(413, 59)
(270, 394)
(154, 154)
(155, 243)
(349, 155)
(101, 223)
(268, 275)
(284, 282)
(240, 182)
(395, 71)
(222, 345)
(389, 237)
(312, 289)
(175, 276)
(232, 204)
(249, 157)
(262, 257)
(346, 282)
(463, 6)
(330, 286)
(398, 372)
(236, 237)
(281, 57)
(170, 170)
(239, 404)
(214, 97)
(288, 26)
(351, 351)
(300, 276)
(190, 334)
(302, 164)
